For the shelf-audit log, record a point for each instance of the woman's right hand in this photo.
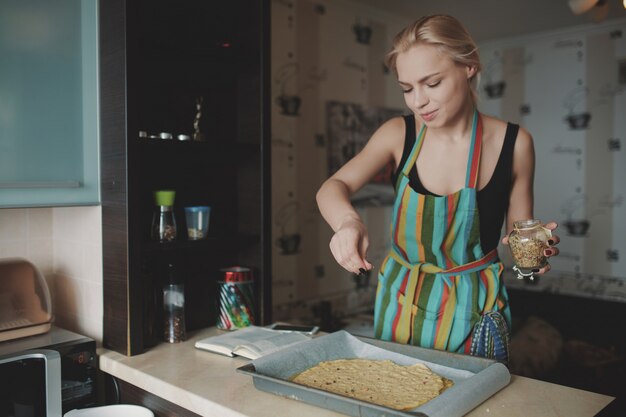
(349, 246)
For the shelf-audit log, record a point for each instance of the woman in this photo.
(458, 173)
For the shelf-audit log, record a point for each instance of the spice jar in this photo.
(164, 222)
(173, 307)
(527, 242)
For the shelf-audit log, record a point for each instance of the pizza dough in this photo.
(380, 382)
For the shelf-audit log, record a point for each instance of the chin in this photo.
(435, 123)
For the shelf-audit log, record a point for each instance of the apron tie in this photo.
(477, 265)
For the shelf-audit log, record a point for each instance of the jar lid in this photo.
(237, 274)
(198, 209)
(164, 197)
(526, 224)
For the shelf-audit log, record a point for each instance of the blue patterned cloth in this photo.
(491, 337)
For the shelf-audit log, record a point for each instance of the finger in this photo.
(353, 259)
(551, 225)
(364, 244)
(543, 270)
(505, 240)
(363, 252)
(554, 240)
(351, 264)
(551, 252)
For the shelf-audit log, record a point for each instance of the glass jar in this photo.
(163, 221)
(164, 224)
(173, 307)
(527, 242)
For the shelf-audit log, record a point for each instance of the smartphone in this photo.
(305, 329)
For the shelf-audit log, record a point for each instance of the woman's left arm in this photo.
(521, 198)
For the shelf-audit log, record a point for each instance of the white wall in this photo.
(579, 172)
(65, 244)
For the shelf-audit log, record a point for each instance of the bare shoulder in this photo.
(493, 127)
(391, 131)
(495, 130)
(389, 137)
(524, 142)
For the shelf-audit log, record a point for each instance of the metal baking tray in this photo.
(476, 379)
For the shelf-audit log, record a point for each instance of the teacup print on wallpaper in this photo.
(577, 118)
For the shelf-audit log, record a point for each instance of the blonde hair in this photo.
(448, 35)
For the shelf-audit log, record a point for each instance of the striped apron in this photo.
(436, 283)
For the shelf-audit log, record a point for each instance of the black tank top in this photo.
(493, 198)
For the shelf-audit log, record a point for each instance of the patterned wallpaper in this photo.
(330, 91)
(568, 88)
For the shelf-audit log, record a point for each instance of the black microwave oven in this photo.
(24, 381)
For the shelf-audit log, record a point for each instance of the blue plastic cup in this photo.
(197, 221)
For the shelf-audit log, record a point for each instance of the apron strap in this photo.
(473, 160)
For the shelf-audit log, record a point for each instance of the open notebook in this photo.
(250, 342)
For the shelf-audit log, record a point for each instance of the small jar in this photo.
(164, 224)
(164, 221)
(173, 307)
(527, 242)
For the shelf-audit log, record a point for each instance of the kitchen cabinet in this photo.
(125, 393)
(48, 103)
(159, 61)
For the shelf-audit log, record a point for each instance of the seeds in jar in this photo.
(168, 233)
(195, 233)
(527, 253)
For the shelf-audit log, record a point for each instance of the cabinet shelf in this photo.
(239, 240)
(156, 62)
(172, 144)
(215, 151)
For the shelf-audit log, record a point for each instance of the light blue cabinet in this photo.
(48, 103)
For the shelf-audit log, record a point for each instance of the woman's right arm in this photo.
(350, 242)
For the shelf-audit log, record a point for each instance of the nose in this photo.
(420, 98)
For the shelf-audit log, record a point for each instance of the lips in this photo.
(427, 117)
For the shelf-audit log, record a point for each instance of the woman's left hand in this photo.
(551, 250)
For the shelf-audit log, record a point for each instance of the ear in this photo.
(471, 71)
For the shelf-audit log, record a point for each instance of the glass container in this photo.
(527, 241)
(197, 218)
(163, 221)
(173, 307)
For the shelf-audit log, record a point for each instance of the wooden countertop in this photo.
(207, 384)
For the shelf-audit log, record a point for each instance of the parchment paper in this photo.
(469, 390)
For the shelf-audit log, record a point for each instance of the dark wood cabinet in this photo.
(130, 394)
(157, 60)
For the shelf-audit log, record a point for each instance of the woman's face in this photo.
(435, 87)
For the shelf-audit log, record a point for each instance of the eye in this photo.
(407, 90)
(434, 84)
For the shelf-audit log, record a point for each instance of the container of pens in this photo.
(236, 298)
